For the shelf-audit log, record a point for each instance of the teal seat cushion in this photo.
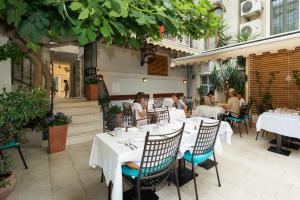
(247, 116)
(234, 119)
(9, 145)
(127, 171)
(197, 159)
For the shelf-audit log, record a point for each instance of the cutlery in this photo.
(132, 148)
(110, 133)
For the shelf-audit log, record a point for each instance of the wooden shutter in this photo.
(159, 66)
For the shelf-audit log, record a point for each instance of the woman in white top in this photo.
(139, 109)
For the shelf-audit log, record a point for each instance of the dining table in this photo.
(111, 150)
(281, 123)
(209, 111)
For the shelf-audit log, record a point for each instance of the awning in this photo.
(272, 44)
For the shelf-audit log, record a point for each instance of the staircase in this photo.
(86, 118)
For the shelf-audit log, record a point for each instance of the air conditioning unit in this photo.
(252, 27)
(251, 7)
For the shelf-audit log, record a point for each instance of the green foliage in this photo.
(296, 76)
(58, 119)
(228, 76)
(19, 109)
(245, 36)
(265, 102)
(223, 38)
(10, 51)
(130, 22)
(5, 170)
(91, 80)
(115, 109)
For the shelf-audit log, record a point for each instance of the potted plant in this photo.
(21, 112)
(296, 76)
(92, 89)
(58, 127)
(7, 178)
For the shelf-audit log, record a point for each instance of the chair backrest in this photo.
(114, 121)
(244, 110)
(126, 107)
(158, 103)
(130, 118)
(160, 154)
(162, 114)
(206, 137)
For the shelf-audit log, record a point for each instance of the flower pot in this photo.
(57, 138)
(4, 192)
(92, 91)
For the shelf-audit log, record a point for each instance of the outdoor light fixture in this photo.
(172, 64)
(184, 81)
(144, 80)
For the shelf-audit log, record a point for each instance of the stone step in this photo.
(80, 119)
(84, 128)
(76, 104)
(79, 111)
(87, 137)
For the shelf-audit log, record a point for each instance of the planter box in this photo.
(5, 192)
(92, 92)
(57, 138)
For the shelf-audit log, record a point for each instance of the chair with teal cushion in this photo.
(203, 148)
(157, 164)
(13, 144)
(240, 119)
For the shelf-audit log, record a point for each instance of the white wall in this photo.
(123, 74)
(5, 70)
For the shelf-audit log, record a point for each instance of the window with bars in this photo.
(22, 72)
(205, 84)
(284, 16)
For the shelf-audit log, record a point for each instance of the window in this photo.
(205, 84)
(22, 72)
(284, 16)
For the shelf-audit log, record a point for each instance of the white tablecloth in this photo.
(109, 152)
(209, 111)
(283, 124)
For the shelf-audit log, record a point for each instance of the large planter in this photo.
(4, 192)
(57, 138)
(92, 92)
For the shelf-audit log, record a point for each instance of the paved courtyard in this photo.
(247, 170)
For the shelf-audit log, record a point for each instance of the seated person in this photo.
(210, 99)
(233, 104)
(178, 103)
(242, 100)
(139, 109)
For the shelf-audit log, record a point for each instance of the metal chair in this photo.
(162, 114)
(126, 107)
(158, 103)
(240, 119)
(203, 148)
(157, 164)
(13, 144)
(248, 115)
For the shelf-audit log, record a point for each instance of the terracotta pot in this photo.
(92, 92)
(4, 192)
(57, 138)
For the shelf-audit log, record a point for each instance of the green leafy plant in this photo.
(11, 51)
(228, 76)
(296, 77)
(264, 92)
(222, 38)
(20, 109)
(58, 119)
(245, 36)
(115, 109)
(125, 22)
(91, 80)
(5, 170)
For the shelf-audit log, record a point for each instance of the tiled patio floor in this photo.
(247, 170)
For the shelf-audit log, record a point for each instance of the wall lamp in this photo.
(184, 81)
(144, 80)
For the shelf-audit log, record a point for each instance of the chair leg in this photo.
(177, 183)
(109, 190)
(257, 135)
(239, 127)
(22, 157)
(195, 184)
(217, 169)
(138, 191)
(246, 127)
(250, 122)
(102, 175)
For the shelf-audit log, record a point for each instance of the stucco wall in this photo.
(5, 70)
(124, 75)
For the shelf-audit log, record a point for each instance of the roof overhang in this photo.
(272, 44)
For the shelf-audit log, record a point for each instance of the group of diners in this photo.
(140, 106)
(234, 102)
